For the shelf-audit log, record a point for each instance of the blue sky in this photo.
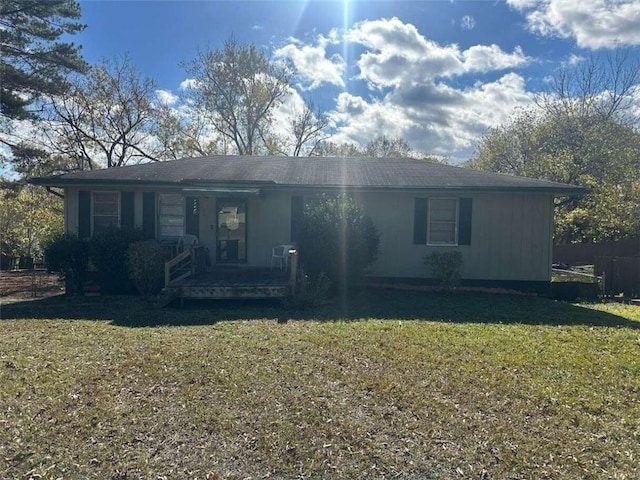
(437, 73)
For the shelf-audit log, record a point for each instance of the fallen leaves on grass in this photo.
(401, 397)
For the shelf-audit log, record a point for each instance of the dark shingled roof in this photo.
(383, 173)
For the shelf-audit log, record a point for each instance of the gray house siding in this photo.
(510, 232)
(510, 236)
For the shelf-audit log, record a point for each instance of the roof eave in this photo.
(556, 190)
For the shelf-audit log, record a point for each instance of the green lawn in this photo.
(391, 385)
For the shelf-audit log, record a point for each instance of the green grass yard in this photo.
(394, 384)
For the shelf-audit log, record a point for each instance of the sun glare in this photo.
(346, 23)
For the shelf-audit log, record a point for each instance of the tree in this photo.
(308, 129)
(601, 87)
(29, 218)
(238, 89)
(383, 146)
(179, 135)
(581, 133)
(34, 62)
(104, 118)
(380, 147)
(300, 133)
(332, 149)
(338, 239)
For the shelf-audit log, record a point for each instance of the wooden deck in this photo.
(231, 282)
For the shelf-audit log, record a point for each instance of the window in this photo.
(171, 221)
(106, 210)
(443, 221)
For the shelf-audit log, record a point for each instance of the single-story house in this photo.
(240, 207)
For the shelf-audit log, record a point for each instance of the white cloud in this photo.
(188, 83)
(486, 58)
(575, 59)
(467, 22)
(362, 121)
(419, 104)
(165, 97)
(312, 64)
(594, 24)
(522, 4)
(433, 117)
(397, 51)
(332, 39)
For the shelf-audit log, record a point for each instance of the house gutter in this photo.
(254, 188)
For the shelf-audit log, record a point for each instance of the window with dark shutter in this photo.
(442, 221)
(442, 226)
(106, 211)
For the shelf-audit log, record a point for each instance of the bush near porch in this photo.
(337, 239)
(390, 384)
(100, 260)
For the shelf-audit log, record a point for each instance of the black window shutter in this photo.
(192, 222)
(126, 210)
(84, 214)
(464, 221)
(420, 221)
(297, 210)
(149, 215)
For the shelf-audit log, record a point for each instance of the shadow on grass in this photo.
(460, 307)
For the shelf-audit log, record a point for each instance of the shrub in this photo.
(68, 256)
(108, 254)
(445, 268)
(337, 238)
(145, 263)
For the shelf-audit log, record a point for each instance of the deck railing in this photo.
(191, 261)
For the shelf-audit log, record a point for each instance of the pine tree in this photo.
(34, 61)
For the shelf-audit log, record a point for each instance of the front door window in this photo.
(232, 231)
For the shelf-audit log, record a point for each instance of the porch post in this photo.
(294, 269)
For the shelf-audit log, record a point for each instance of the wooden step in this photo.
(168, 295)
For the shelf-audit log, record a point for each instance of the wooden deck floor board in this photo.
(236, 277)
(233, 283)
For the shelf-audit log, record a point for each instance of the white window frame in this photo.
(184, 216)
(93, 203)
(456, 227)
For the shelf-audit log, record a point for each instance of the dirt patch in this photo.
(18, 286)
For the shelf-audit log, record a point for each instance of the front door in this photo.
(231, 230)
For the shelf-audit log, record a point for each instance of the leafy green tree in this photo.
(29, 218)
(238, 88)
(583, 133)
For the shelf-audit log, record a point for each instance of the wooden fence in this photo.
(621, 274)
(585, 253)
